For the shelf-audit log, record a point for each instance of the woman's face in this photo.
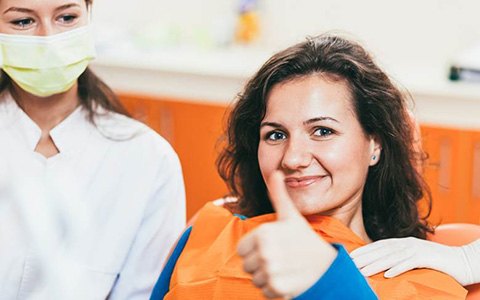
(311, 135)
(41, 17)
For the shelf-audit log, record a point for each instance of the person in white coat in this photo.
(116, 202)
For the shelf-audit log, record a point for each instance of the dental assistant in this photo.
(59, 121)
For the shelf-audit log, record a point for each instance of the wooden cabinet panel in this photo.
(193, 129)
(473, 206)
(439, 146)
(196, 132)
(452, 172)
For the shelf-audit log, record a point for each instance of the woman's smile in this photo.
(302, 182)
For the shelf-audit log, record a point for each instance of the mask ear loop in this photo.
(89, 11)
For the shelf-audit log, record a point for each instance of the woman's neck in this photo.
(351, 216)
(46, 112)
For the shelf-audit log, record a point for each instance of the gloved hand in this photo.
(400, 255)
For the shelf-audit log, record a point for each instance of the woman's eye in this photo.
(22, 23)
(67, 18)
(275, 136)
(323, 132)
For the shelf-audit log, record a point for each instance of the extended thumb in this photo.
(281, 201)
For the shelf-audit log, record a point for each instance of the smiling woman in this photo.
(321, 137)
(60, 123)
(321, 147)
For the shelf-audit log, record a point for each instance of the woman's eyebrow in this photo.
(307, 122)
(18, 9)
(318, 119)
(66, 6)
(28, 10)
(272, 124)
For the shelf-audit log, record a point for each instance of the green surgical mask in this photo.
(47, 65)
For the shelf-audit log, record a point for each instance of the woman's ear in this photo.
(375, 150)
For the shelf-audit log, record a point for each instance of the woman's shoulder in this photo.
(139, 146)
(219, 217)
(216, 209)
(118, 128)
(8, 110)
(418, 284)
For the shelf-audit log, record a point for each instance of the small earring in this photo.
(374, 157)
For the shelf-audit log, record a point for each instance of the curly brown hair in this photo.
(393, 186)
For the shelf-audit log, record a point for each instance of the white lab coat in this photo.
(122, 179)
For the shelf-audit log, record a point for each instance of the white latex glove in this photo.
(400, 255)
(285, 257)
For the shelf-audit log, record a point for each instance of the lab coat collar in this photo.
(15, 120)
(69, 135)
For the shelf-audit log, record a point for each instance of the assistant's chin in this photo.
(70, 92)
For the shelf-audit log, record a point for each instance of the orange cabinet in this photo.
(193, 129)
(473, 207)
(453, 173)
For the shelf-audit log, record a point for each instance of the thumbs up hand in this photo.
(285, 257)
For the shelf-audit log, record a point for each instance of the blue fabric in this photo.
(163, 283)
(341, 281)
(242, 217)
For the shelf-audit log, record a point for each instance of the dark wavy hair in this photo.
(92, 91)
(393, 186)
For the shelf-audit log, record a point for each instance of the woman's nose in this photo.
(45, 29)
(297, 154)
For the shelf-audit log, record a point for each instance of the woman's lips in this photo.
(298, 182)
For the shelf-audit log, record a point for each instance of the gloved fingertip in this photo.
(389, 274)
(365, 274)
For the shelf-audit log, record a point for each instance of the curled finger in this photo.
(400, 269)
(252, 262)
(247, 244)
(260, 279)
(385, 263)
(269, 293)
(363, 259)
